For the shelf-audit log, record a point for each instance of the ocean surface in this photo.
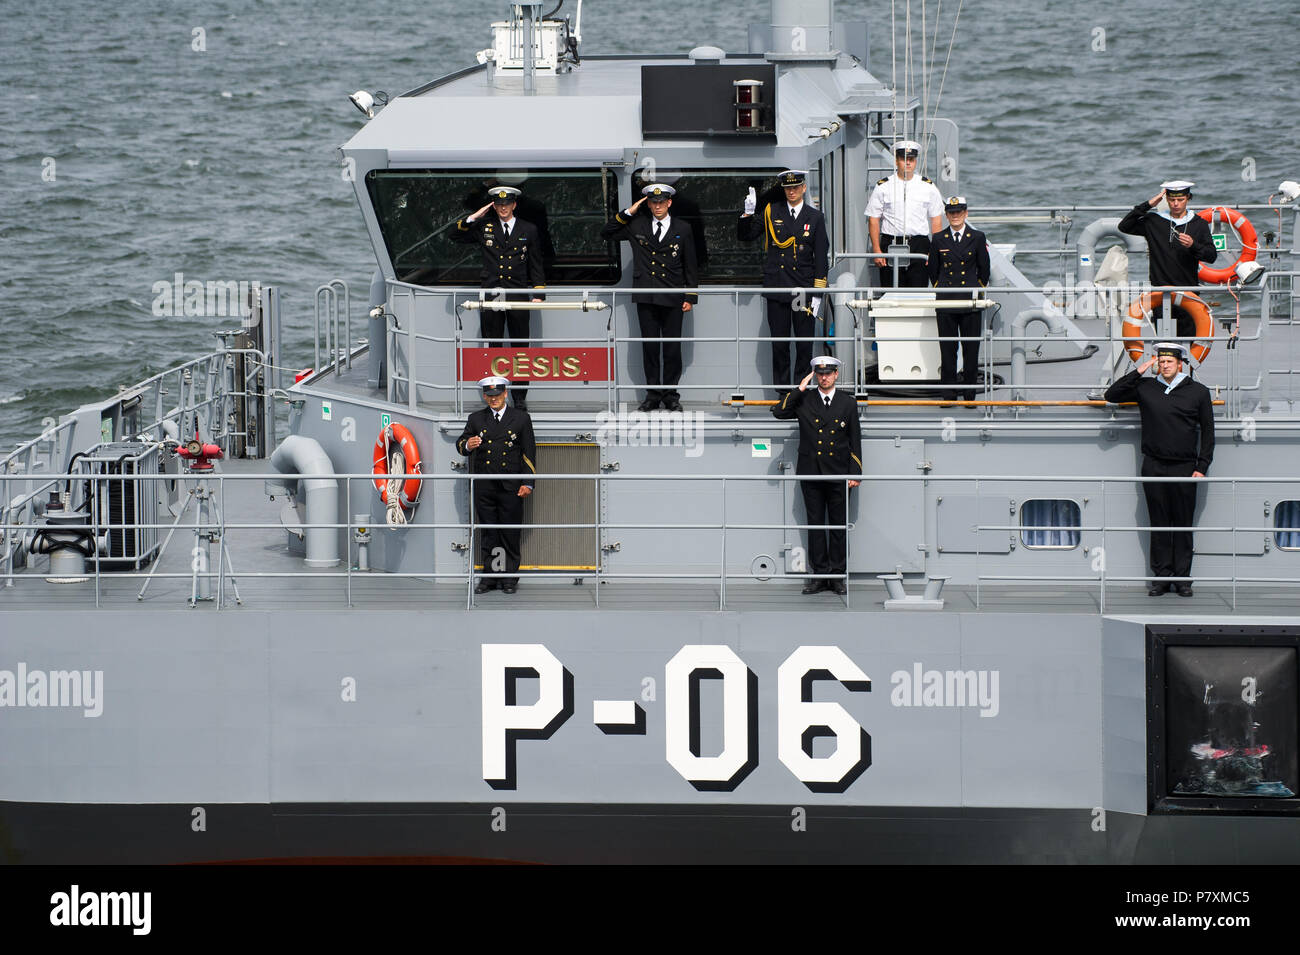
(142, 139)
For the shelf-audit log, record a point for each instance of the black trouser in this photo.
(826, 503)
(661, 322)
(492, 326)
(953, 324)
(780, 317)
(1170, 505)
(498, 502)
(912, 273)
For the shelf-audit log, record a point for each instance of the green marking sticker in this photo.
(760, 448)
(325, 412)
(385, 420)
(1220, 241)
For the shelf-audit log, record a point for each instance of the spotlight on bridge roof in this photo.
(1290, 190)
(1250, 273)
(366, 102)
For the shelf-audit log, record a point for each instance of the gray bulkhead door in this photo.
(887, 518)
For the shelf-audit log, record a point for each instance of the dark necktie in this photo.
(659, 231)
(828, 400)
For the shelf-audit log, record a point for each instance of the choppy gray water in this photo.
(220, 164)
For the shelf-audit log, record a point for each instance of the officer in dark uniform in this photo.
(959, 258)
(663, 256)
(830, 442)
(499, 440)
(794, 235)
(1177, 441)
(684, 208)
(512, 258)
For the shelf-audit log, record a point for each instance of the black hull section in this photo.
(584, 833)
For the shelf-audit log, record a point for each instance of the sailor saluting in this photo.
(1177, 441)
(1177, 241)
(512, 258)
(830, 443)
(663, 257)
(499, 440)
(794, 235)
(904, 209)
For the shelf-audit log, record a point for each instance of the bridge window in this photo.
(418, 209)
(1050, 525)
(711, 201)
(1286, 518)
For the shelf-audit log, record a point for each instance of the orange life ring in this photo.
(411, 488)
(1143, 308)
(1249, 244)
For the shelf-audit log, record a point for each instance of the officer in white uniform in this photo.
(904, 209)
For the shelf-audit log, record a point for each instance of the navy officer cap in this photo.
(504, 194)
(493, 385)
(658, 190)
(792, 177)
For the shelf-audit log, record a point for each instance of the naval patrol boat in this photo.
(239, 608)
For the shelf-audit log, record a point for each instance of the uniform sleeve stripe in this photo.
(856, 458)
(530, 464)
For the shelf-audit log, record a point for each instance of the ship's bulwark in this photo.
(226, 735)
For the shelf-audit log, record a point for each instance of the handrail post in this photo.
(722, 570)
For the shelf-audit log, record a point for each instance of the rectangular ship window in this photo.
(1286, 518)
(1222, 708)
(418, 209)
(1050, 525)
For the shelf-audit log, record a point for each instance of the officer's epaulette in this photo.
(927, 179)
(881, 182)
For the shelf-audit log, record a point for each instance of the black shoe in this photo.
(650, 404)
(838, 587)
(510, 586)
(814, 586)
(1184, 590)
(1157, 590)
(672, 403)
(484, 586)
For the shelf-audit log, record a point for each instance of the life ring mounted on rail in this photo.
(410, 490)
(1142, 310)
(1249, 244)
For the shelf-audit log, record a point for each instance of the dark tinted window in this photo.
(418, 209)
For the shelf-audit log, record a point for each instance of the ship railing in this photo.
(1277, 218)
(1111, 562)
(333, 316)
(193, 399)
(431, 327)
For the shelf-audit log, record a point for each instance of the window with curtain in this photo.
(1050, 524)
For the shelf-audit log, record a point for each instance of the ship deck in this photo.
(269, 578)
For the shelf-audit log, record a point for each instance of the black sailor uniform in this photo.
(508, 448)
(830, 443)
(797, 257)
(1177, 439)
(667, 263)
